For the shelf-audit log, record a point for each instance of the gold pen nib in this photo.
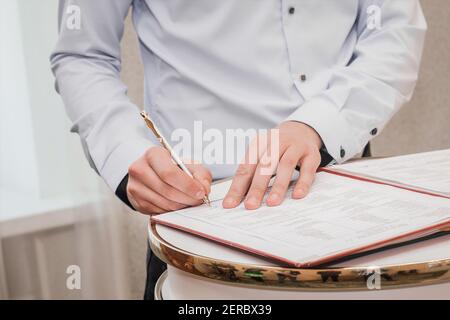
(207, 201)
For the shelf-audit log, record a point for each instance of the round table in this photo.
(201, 269)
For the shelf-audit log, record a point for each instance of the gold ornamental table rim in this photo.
(298, 279)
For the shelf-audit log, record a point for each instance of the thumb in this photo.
(202, 175)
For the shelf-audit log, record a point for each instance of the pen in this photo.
(167, 146)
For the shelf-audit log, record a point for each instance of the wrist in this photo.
(311, 133)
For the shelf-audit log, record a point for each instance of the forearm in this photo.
(108, 123)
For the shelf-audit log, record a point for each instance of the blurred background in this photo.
(56, 213)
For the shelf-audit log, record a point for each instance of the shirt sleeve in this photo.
(86, 64)
(364, 95)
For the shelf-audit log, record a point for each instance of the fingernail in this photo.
(252, 201)
(200, 195)
(229, 202)
(207, 183)
(273, 197)
(299, 193)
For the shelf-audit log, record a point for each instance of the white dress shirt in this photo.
(237, 64)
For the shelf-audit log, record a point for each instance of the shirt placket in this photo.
(290, 13)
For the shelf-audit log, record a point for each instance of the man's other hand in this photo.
(157, 185)
(296, 145)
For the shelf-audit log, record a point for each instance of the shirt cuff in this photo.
(330, 124)
(121, 192)
(118, 162)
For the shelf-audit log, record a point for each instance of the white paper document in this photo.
(430, 170)
(339, 215)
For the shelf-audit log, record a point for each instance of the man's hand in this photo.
(157, 185)
(298, 144)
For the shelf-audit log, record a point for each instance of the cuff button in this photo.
(374, 132)
(342, 152)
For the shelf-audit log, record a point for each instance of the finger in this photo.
(163, 165)
(263, 174)
(147, 176)
(244, 174)
(202, 175)
(149, 208)
(239, 186)
(144, 207)
(285, 169)
(143, 195)
(308, 168)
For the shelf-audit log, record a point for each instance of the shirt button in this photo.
(291, 10)
(374, 132)
(303, 77)
(342, 152)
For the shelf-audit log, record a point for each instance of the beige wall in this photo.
(421, 125)
(136, 224)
